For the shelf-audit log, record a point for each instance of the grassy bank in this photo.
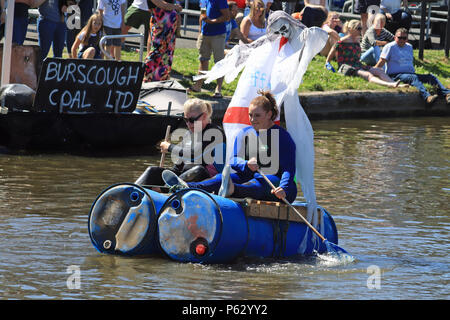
(317, 78)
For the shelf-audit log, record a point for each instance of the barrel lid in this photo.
(121, 219)
(189, 225)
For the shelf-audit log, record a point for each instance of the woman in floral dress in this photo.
(163, 22)
(348, 52)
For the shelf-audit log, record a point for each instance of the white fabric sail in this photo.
(276, 62)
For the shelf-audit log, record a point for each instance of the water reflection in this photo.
(384, 181)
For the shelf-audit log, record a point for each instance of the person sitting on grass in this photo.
(348, 53)
(89, 39)
(375, 38)
(253, 26)
(334, 27)
(233, 30)
(398, 55)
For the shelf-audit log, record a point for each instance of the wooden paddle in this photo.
(331, 247)
(163, 155)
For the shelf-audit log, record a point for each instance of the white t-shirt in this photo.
(112, 12)
(317, 2)
(140, 4)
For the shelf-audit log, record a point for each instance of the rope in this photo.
(285, 230)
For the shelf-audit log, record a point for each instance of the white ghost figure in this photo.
(277, 61)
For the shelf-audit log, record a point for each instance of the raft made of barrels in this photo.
(192, 225)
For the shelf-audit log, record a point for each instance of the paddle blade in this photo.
(338, 251)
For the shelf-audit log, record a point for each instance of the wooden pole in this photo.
(423, 10)
(447, 34)
(6, 59)
(293, 208)
(163, 155)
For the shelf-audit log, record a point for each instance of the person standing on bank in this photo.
(375, 38)
(361, 6)
(85, 7)
(247, 181)
(211, 39)
(137, 14)
(164, 21)
(20, 23)
(51, 28)
(398, 56)
(396, 17)
(113, 12)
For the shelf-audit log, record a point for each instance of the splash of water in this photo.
(332, 259)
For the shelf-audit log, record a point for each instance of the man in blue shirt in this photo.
(398, 55)
(211, 39)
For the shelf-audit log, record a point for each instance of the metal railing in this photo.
(139, 35)
(416, 18)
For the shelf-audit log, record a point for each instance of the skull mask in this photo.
(281, 27)
(282, 24)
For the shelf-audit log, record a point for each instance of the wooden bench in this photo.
(272, 210)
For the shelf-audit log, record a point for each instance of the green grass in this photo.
(316, 78)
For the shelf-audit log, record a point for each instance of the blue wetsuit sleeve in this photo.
(287, 160)
(237, 162)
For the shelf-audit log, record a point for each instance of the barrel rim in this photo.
(153, 208)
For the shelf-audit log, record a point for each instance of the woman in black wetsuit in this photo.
(201, 153)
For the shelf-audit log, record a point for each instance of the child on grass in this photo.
(88, 39)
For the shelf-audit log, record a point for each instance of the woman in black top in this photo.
(201, 153)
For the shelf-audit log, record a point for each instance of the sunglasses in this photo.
(193, 119)
(402, 38)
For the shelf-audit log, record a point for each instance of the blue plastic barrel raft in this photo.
(192, 225)
(195, 226)
(123, 220)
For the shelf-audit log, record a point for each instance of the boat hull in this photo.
(192, 225)
(93, 133)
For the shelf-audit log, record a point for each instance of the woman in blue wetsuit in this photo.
(264, 145)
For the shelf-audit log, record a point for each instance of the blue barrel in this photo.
(196, 226)
(301, 240)
(123, 220)
(283, 239)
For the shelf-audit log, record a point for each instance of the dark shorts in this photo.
(135, 17)
(362, 5)
(110, 32)
(96, 56)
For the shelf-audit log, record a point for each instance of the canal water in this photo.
(385, 181)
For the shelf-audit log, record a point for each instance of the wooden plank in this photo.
(272, 210)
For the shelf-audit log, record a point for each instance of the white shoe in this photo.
(226, 188)
(171, 179)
